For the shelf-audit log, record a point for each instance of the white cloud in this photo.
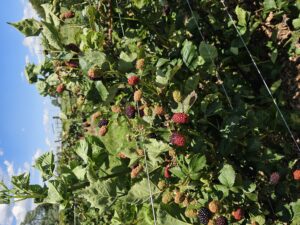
(35, 48)
(28, 11)
(21, 208)
(1, 152)
(46, 118)
(37, 154)
(48, 142)
(6, 216)
(9, 168)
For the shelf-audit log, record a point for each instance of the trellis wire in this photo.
(147, 171)
(142, 139)
(261, 76)
(210, 56)
(120, 18)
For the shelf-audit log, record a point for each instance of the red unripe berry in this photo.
(238, 214)
(60, 88)
(180, 118)
(167, 172)
(133, 80)
(274, 178)
(177, 139)
(296, 175)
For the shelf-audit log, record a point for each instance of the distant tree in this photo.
(42, 215)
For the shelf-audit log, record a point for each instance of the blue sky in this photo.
(25, 116)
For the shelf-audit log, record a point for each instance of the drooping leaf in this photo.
(52, 35)
(28, 27)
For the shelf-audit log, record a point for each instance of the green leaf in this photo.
(45, 164)
(189, 54)
(30, 73)
(21, 182)
(50, 15)
(70, 33)
(52, 35)
(197, 163)
(154, 148)
(116, 138)
(296, 23)
(126, 61)
(139, 192)
(275, 86)
(140, 3)
(296, 212)
(187, 103)
(178, 172)
(208, 52)
(42, 87)
(191, 84)
(223, 189)
(79, 172)
(211, 104)
(28, 27)
(92, 59)
(83, 150)
(102, 90)
(227, 176)
(54, 194)
(269, 5)
(164, 218)
(99, 194)
(166, 70)
(242, 16)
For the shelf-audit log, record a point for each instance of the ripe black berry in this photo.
(141, 113)
(204, 215)
(103, 122)
(152, 135)
(72, 47)
(130, 111)
(221, 221)
(166, 10)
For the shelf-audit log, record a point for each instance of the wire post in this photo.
(261, 76)
(210, 56)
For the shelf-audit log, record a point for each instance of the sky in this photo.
(26, 124)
